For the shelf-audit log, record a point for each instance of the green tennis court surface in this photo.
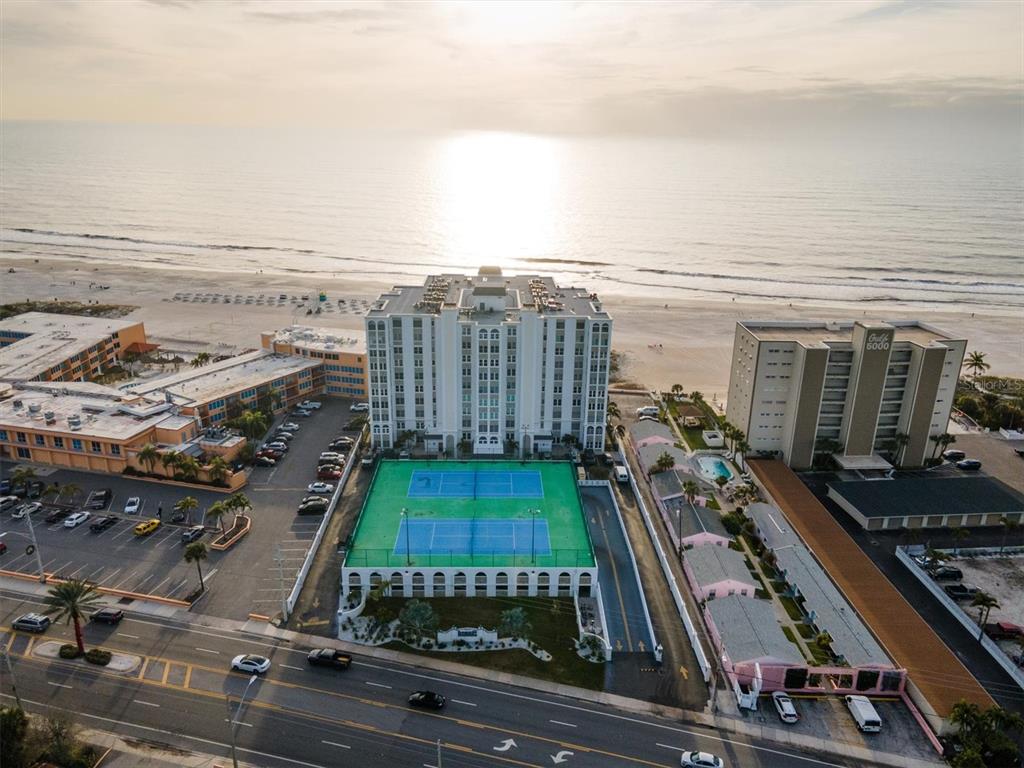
(539, 501)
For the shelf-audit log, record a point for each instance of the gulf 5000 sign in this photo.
(877, 342)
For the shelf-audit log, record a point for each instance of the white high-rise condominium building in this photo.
(853, 390)
(489, 363)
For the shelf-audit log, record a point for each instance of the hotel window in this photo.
(96, 447)
(3, 435)
(23, 453)
(76, 444)
(216, 404)
(22, 438)
(58, 442)
(40, 440)
(115, 450)
(248, 393)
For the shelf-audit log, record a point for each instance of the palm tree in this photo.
(898, 443)
(959, 534)
(196, 552)
(823, 640)
(942, 442)
(188, 467)
(620, 431)
(984, 602)
(252, 423)
(613, 412)
(976, 362)
(664, 462)
(70, 601)
(186, 505)
(1009, 526)
(677, 392)
(740, 448)
(200, 360)
(217, 469)
(22, 475)
(215, 514)
(238, 503)
(170, 460)
(148, 456)
(697, 397)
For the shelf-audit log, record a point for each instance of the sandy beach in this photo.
(689, 343)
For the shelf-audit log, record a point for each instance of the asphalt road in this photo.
(296, 715)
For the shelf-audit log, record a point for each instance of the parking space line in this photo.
(167, 671)
(93, 574)
(142, 669)
(12, 562)
(179, 586)
(123, 531)
(157, 587)
(138, 586)
(48, 562)
(107, 578)
(188, 676)
(74, 573)
(123, 581)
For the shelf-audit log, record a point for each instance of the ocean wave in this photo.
(165, 243)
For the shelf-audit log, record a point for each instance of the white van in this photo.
(8, 502)
(648, 410)
(864, 714)
(621, 473)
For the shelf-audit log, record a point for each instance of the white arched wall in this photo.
(428, 581)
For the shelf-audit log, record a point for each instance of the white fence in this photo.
(300, 578)
(957, 612)
(677, 596)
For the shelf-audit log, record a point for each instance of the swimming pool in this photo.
(712, 467)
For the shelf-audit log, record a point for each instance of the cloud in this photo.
(322, 16)
(898, 8)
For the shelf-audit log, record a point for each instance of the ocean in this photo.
(923, 222)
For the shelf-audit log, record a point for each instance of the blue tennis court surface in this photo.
(468, 484)
(471, 537)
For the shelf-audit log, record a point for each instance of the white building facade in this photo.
(488, 363)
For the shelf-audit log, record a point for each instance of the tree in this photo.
(251, 423)
(148, 456)
(22, 475)
(188, 467)
(958, 534)
(1009, 526)
(975, 362)
(514, 624)
(404, 437)
(677, 392)
(899, 442)
(823, 640)
(942, 442)
(217, 469)
(986, 736)
(740, 448)
(200, 360)
(215, 514)
(620, 431)
(416, 620)
(663, 463)
(170, 460)
(129, 359)
(697, 397)
(238, 504)
(984, 602)
(186, 505)
(70, 601)
(13, 737)
(195, 553)
(613, 412)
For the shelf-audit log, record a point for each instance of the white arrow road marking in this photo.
(562, 756)
(506, 745)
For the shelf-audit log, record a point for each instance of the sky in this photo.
(547, 67)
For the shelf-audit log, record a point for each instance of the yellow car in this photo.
(146, 527)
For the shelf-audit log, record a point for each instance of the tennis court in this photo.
(469, 537)
(471, 513)
(473, 484)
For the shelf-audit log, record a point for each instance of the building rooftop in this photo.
(47, 322)
(697, 519)
(815, 334)
(711, 565)
(225, 377)
(978, 494)
(649, 454)
(647, 430)
(832, 613)
(774, 529)
(488, 295)
(91, 410)
(749, 631)
(321, 339)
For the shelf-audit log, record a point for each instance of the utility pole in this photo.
(533, 535)
(14, 683)
(408, 552)
(35, 548)
(438, 753)
(279, 559)
(233, 722)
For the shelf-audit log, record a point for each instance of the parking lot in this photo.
(250, 577)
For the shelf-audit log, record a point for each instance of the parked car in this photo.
(310, 405)
(133, 506)
(250, 662)
(107, 615)
(278, 445)
(290, 426)
(969, 465)
(700, 760)
(368, 461)
(333, 457)
(26, 509)
(648, 410)
(178, 517)
(946, 573)
(99, 499)
(194, 533)
(303, 413)
(328, 474)
(328, 657)
(358, 407)
(621, 473)
(57, 515)
(1003, 630)
(35, 489)
(9, 502)
(960, 592)
(286, 436)
(427, 700)
(312, 508)
(785, 707)
(924, 561)
(101, 524)
(314, 500)
(864, 714)
(3, 547)
(343, 440)
(264, 461)
(31, 622)
(954, 455)
(319, 487)
(73, 521)
(146, 527)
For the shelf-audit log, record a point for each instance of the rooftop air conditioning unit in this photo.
(49, 416)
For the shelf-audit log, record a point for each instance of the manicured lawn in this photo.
(694, 438)
(554, 630)
(806, 631)
(791, 608)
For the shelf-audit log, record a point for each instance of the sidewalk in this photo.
(622, 704)
(137, 753)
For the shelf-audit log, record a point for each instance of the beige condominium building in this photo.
(39, 346)
(849, 388)
(343, 354)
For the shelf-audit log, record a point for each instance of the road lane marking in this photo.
(124, 634)
(467, 703)
(335, 744)
(58, 685)
(207, 650)
(145, 703)
(377, 685)
(559, 722)
(238, 722)
(289, 666)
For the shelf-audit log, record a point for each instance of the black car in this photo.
(57, 515)
(969, 465)
(954, 455)
(107, 615)
(961, 592)
(427, 700)
(946, 573)
(99, 499)
(103, 523)
(264, 461)
(589, 457)
(311, 509)
(328, 657)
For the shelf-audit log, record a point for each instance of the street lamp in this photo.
(10, 671)
(408, 553)
(533, 536)
(233, 723)
(35, 545)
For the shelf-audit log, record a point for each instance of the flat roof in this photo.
(225, 377)
(321, 339)
(374, 540)
(649, 454)
(902, 633)
(100, 412)
(749, 630)
(50, 322)
(818, 333)
(850, 638)
(774, 529)
(710, 565)
(900, 497)
(647, 429)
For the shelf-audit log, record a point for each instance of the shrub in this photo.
(460, 643)
(733, 523)
(427, 645)
(98, 656)
(131, 471)
(442, 646)
(69, 651)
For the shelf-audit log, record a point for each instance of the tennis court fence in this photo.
(388, 558)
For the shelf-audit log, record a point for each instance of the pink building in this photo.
(717, 572)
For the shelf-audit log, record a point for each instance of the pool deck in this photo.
(380, 521)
